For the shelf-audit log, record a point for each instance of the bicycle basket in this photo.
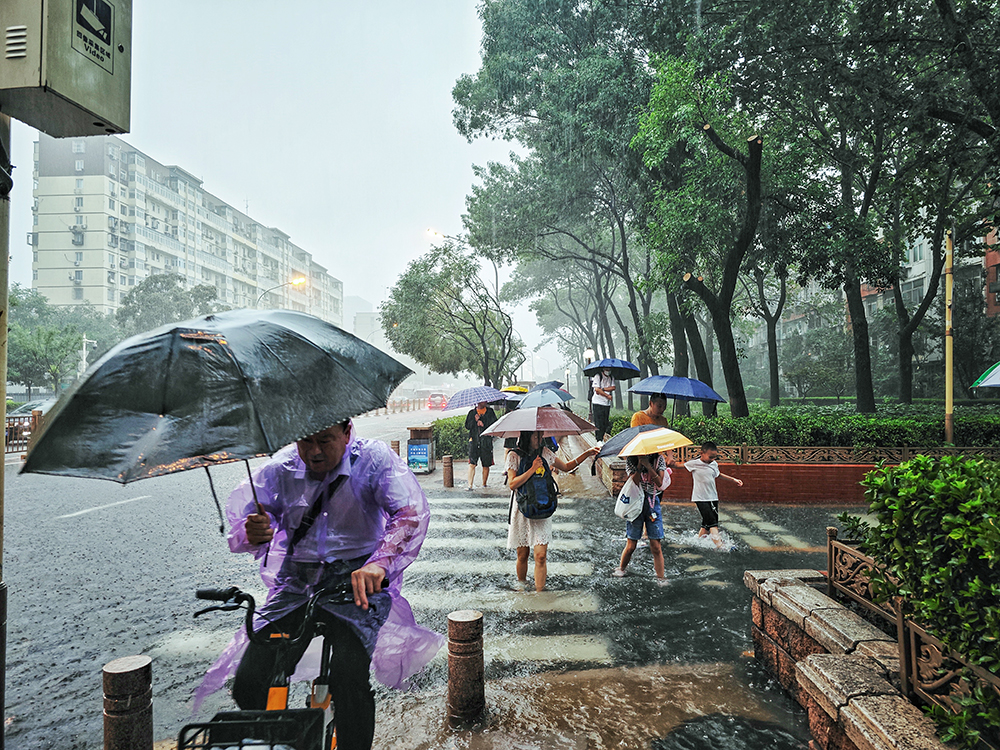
(292, 729)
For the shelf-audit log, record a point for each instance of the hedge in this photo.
(450, 437)
(938, 534)
(892, 426)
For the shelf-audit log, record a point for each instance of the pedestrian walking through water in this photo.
(480, 445)
(533, 457)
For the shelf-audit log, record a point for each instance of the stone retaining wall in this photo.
(839, 667)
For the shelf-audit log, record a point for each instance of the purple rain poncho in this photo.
(379, 513)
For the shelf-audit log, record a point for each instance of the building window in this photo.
(34, 275)
(121, 193)
(79, 257)
(77, 292)
(79, 219)
(79, 146)
(111, 204)
(111, 295)
(79, 166)
(34, 256)
(77, 275)
(79, 183)
(111, 259)
(79, 202)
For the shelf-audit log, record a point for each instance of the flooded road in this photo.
(97, 572)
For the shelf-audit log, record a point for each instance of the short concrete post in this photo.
(395, 446)
(128, 704)
(448, 471)
(466, 678)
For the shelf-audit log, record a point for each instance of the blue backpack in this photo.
(538, 497)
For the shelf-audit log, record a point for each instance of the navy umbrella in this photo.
(676, 387)
(621, 369)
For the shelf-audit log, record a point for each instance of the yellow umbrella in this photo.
(515, 389)
(654, 441)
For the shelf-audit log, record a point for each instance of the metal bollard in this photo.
(128, 704)
(395, 446)
(466, 679)
(448, 471)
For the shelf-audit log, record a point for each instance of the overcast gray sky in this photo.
(330, 120)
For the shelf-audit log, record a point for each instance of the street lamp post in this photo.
(294, 282)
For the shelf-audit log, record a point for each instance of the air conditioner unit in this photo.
(78, 209)
(33, 238)
(76, 262)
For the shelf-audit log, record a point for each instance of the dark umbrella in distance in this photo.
(226, 387)
(547, 385)
(621, 369)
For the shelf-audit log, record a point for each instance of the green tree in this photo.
(41, 355)
(162, 299)
(443, 314)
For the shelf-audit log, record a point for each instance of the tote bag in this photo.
(630, 500)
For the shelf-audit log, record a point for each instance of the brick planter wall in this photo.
(794, 484)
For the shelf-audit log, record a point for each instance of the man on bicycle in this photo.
(335, 509)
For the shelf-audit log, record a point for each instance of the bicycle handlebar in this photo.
(217, 595)
(343, 594)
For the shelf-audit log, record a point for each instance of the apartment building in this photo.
(106, 216)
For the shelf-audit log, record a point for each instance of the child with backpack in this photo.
(533, 501)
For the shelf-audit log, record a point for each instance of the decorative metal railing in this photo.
(929, 671)
(16, 436)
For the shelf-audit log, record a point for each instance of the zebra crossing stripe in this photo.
(472, 500)
(438, 511)
(555, 648)
(454, 566)
(558, 526)
(497, 542)
(507, 602)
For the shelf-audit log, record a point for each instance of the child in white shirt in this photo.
(704, 470)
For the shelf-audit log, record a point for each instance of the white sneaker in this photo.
(617, 573)
(662, 581)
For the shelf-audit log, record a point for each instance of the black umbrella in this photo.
(226, 387)
(614, 444)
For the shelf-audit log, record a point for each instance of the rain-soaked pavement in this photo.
(97, 572)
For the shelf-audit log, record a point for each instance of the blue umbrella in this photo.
(676, 387)
(621, 369)
(471, 396)
(544, 397)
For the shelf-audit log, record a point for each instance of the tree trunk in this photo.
(701, 364)
(679, 341)
(906, 353)
(772, 360)
(863, 387)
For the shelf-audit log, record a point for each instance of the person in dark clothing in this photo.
(480, 446)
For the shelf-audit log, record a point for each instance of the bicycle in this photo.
(277, 727)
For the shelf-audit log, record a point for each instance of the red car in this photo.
(437, 401)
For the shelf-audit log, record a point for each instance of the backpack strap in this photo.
(310, 517)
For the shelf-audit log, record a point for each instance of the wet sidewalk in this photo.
(596, 661)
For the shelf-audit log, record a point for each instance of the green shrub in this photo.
(938, 535)
(450, 437)
(838, 426)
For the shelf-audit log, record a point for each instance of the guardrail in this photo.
(18, 432)
(397, 406)
(929, 671)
